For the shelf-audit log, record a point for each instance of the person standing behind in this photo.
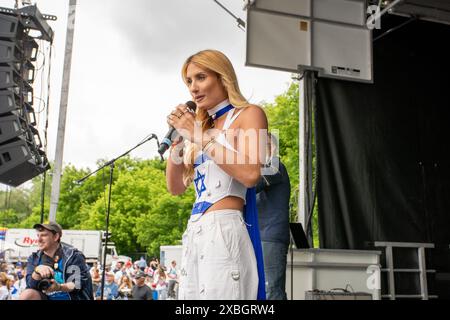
(272, 198)
(96, 279)
(154, 264)
(140, 290)
(111, 291)
(142, 264)
(172, 280)
(161, 284)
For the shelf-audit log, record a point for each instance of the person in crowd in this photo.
(142, 264)
(129, 271)
(91, 270)
(125, 287)
(161, 283)
(96, 279)
(154, 264)
(272, 198)
(119, 271)
(19, 268)
(111, 291)
(115, 265)
(20, 284)
(218, 151)
(5, 293)
(172, 276)
(141, 291)
(4, 267)
(56, 271)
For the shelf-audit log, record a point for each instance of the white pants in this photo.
(218, 261)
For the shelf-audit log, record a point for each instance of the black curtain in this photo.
(383, 149)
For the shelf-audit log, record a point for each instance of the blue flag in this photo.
(251, 218)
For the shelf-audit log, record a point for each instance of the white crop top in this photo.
(210, 181)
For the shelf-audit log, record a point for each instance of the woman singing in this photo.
(221, 155)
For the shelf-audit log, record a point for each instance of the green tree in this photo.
(143, 215)
(22, 205)
(9, 217)
(16, 200)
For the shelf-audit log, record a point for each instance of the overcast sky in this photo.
(126, 66)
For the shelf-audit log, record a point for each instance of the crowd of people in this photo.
(128, 280)
(12, 280)
(136, 280)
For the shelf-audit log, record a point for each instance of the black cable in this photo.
(314, 179)
(6, 198)
(9, 197)
(42, 87)
(43, 196)
(38, 112)
(43, 61)
(413, 18)
(292, 269)
(47, 108)
(48, 98)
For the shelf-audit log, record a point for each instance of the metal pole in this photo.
(111, 174)
(56, 182)
(302, 87)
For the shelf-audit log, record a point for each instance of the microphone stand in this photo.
(111, 165)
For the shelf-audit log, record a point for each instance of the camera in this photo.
(45, 283)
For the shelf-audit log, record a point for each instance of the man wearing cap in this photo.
(141, 291)
(111, 291)
(57, 271)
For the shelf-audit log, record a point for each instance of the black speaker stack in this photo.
(21, 151)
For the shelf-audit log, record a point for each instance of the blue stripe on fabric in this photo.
(200, 160)
(200, 207)
(251, 218)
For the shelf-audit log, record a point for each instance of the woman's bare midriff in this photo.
(232, 203)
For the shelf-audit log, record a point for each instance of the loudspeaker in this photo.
(11, 127)
(19, 162)
(9, 27)
(21, 155)
(10, 77)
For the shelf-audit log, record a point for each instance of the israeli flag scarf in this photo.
(251, 219)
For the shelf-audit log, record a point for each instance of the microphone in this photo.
(172, 133)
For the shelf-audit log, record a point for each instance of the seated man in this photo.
(57, 271)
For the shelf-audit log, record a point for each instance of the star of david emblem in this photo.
(199, 182)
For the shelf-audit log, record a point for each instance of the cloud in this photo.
(126, 65)
(162, 34)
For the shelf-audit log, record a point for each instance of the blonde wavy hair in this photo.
(216, 62)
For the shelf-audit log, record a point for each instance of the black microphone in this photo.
(173, 134)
